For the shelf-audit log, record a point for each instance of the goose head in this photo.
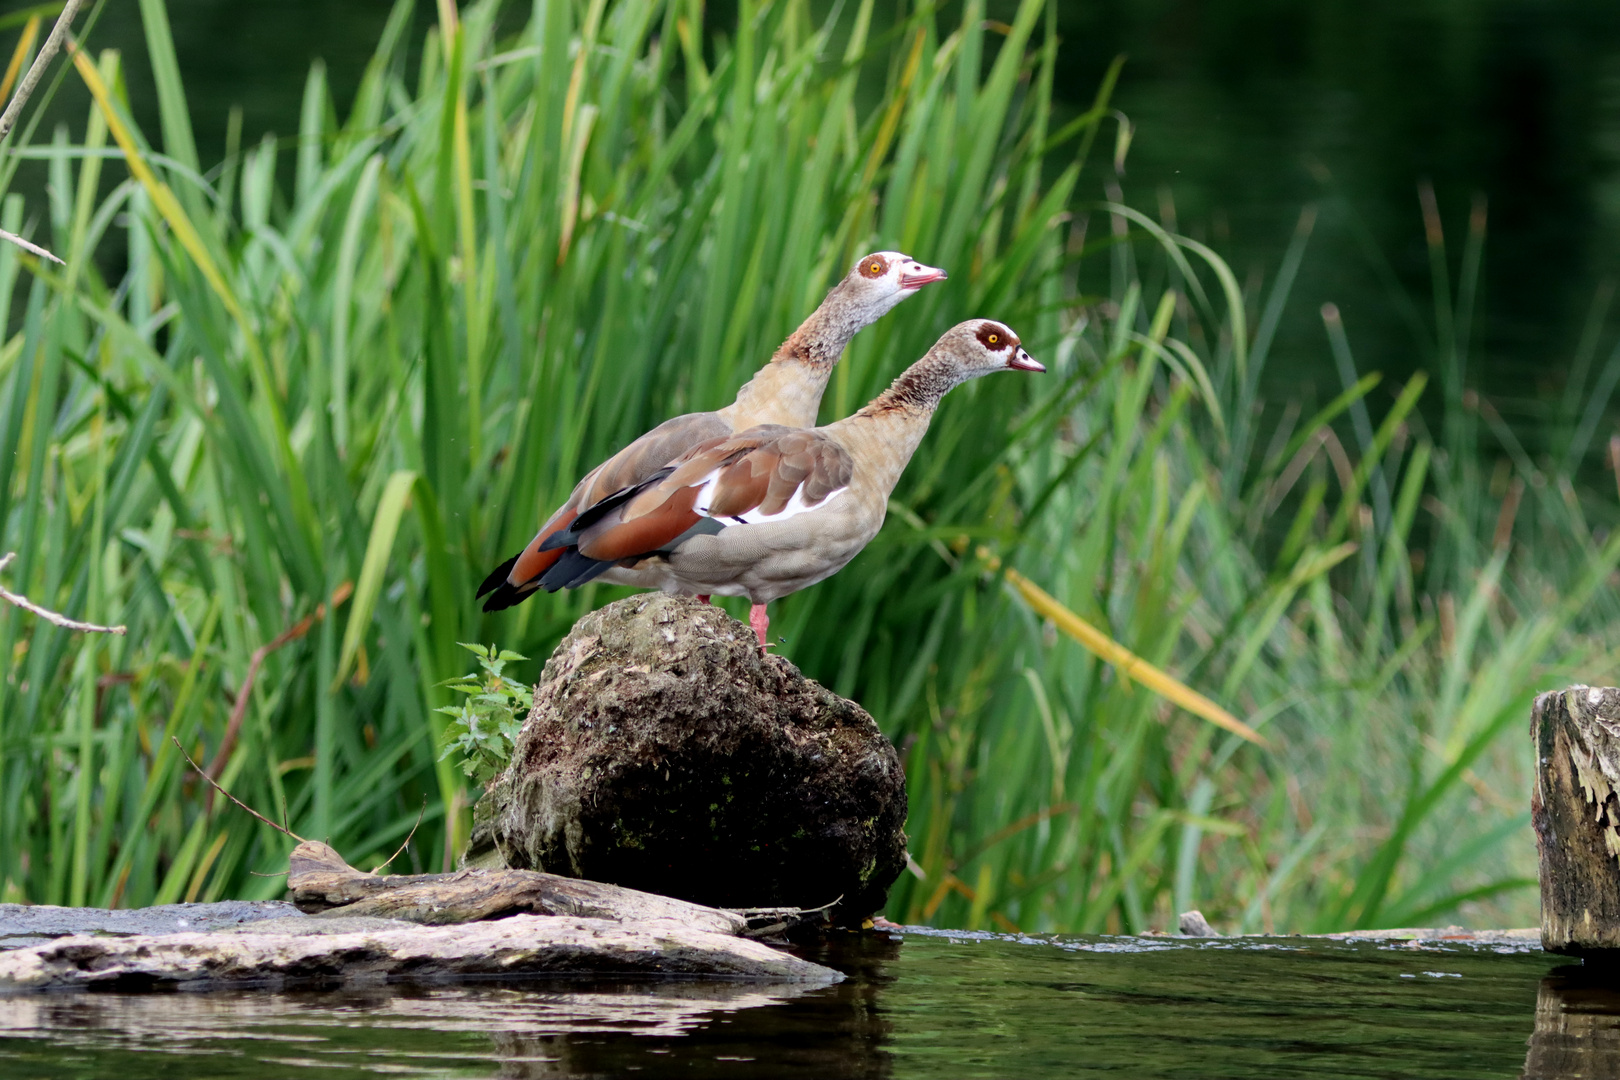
(880, 280)
(965, 351)
(981, 346)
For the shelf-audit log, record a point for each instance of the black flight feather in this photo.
(497, 577)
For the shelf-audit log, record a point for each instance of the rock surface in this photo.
(665, 754)
(523, 945)
(29, 924)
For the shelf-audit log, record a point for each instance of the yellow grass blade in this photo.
(891, 117)
(24, 44)
(385, 526)
(1130, 665)
(570, 191)
(164, 200)
(466, 229)
(162, 197)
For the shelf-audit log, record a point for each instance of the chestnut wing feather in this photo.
(757, 472)
(635, 464)
(638, 462)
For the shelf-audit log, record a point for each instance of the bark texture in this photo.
(1575, 809)
(665, 754)
(321, 882)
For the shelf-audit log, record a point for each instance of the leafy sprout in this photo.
(484, 726)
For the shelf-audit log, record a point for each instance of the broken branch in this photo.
(46, 613)
(215, 785)
(239, 711)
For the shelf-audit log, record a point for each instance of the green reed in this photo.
(281, 414)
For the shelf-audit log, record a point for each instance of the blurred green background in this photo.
(1245, 111)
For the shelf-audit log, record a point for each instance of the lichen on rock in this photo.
(664, 753)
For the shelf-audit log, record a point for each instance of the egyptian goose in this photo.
(774, 509)
(786, 391)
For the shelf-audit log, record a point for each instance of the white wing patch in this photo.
(795, 506)
(705, 493)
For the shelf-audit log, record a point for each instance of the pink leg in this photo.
(703, 598)
(760, 622)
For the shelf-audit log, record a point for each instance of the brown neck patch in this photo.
(918, 389)
(821, 338)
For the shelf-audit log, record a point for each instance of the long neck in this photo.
(788, 389)
(887, 430)
(919, 388)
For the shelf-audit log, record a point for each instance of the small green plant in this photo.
(483, 728)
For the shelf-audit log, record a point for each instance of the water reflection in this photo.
(957, 1005)
(1577, 1025)
(559, 1028)
(829, 1032)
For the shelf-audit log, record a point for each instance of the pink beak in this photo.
(1022, 361)
(921, 275)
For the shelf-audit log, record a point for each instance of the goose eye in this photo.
(994, 339)
(876, 268)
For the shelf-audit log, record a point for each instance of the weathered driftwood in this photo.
(322, 882)
(1575, 810)
(519, 946)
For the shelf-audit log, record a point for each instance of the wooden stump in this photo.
(663, 753)
(1575, 809)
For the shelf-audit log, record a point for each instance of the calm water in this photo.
(1248, 110)
(927, 1005)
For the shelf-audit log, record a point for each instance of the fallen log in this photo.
(520, 946)
(1575, 810)
(321, 882)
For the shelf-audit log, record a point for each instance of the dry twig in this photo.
(239, 710)
(408, 836)
(215, 785)
(48, 615)
(30, 247)
(25, 90)
(1614, 457)
(36, 70)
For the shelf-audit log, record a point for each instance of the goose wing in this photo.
(760, 475)
(517, 577)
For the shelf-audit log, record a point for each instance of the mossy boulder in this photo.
(664, 753)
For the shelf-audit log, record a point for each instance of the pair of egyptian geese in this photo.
(753, 500)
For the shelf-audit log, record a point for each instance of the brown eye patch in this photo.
(874, 266)
(996, 338)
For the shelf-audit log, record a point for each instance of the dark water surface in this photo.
(1246, 111)
(928, 1005)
